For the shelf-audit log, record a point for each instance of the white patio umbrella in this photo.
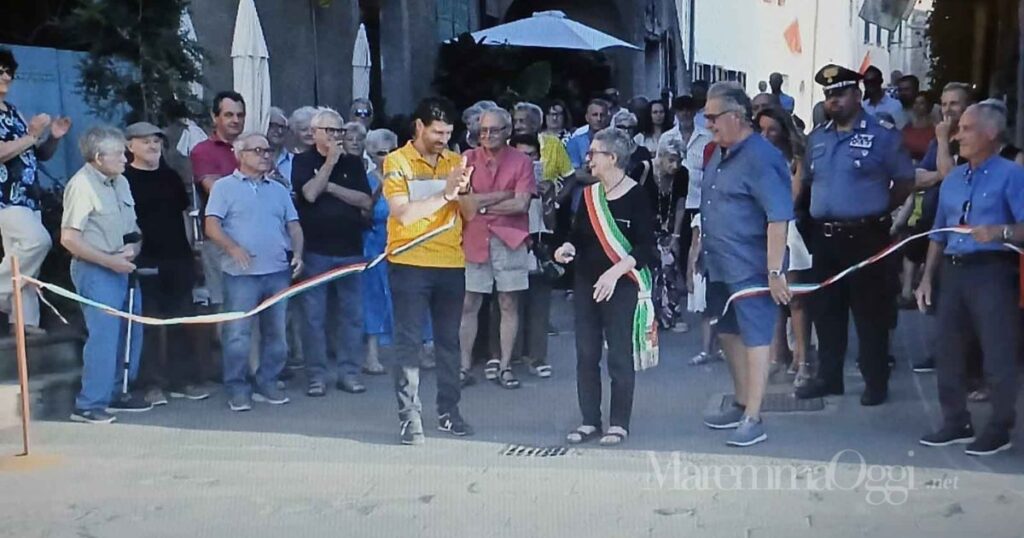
(251, 63)
(361, 63)
(550, 30)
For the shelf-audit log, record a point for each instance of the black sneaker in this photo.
(92, 417)
(129, 403)
(989, 443)
(925, 367)
(950, 435)
(816, 388)
(453, 424)
(411, 433)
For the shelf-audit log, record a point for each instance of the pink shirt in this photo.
(509, 170)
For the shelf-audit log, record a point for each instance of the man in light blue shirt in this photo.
(746, 205)
(979, 281)
(598, 119)
(787, 101)
(876, 101)
(254, 220)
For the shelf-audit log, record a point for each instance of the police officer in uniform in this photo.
(857, 172)
(979, 281)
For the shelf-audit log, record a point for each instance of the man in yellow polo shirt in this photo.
(422, 183)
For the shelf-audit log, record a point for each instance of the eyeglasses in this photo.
(712, 118)
(333, 131)
(591, 153)
(362, 113)
(260, 152)
(7, 71)
(277, 126)
(487, 131)
(382, 153)
(626, 127)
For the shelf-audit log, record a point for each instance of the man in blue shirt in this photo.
(744, 188)
(787, 101)
(856, 173)
(979, 280)
(598, 118)
(254, 220)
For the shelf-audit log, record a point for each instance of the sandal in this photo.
(541, 370)
(507, 379)
(614, 436)
(316, 389)
(375, 369)
(466, 378)
(582, 434)
(491, 369)
(980, 395)
(701, 358)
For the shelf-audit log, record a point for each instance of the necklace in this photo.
(609, 190)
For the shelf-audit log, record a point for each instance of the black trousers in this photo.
(596, 323)
(869, 293)
(534, 315)
(979, 303)
(168, 359)
(414, 292)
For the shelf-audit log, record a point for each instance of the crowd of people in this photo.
(653, 215)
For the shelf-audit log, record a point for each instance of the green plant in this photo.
(137, 58)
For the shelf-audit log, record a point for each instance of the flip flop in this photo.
(582, 435)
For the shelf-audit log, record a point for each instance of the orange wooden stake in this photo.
(19, 334)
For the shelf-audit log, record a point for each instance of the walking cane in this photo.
(133, 280)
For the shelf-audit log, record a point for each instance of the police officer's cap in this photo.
(836, 77)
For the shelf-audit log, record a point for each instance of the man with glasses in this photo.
(979, 281)
(361, 110)
(332, 194)
(276, 131)
(857, 172)
(254, 221)
(494, 238)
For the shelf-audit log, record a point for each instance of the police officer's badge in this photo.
(862, 141)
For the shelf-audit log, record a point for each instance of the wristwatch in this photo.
(774, 273)
(1007, 233)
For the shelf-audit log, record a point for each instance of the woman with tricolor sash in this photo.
(612, 241)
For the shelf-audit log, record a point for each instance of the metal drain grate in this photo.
(535, 451)
(781, 402)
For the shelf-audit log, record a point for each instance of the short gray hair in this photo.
(994, 112)
(324, 113)
(473, 112)
(242, 142)
(302, 116)
(958, 87)
(626, 116)
(733, 96)
(361, 101)
(500, 113)
(534, 113)
(670, 145)
(618, 143)
(276, 111)
(99, 140)
(378, 139)
(355, 126)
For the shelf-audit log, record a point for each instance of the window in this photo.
(867, 32)
(878, 36)
(452, 18)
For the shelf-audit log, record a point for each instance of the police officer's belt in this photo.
(829, 228)
(978, 258)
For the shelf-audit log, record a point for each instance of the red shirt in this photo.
(916, 140)
(509, 170)
(212, 157)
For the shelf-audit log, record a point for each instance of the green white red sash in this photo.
(617, 247)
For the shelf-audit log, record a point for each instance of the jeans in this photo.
(103, 355)
(978, 302)
(241, 294)
(169, 360)
(610, 321)
(347, 324)
(417, 291)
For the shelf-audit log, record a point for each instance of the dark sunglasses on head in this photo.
(362, 113)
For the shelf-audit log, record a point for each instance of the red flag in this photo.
(864, 65)
(792, 35)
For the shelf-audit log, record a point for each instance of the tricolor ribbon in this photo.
(286, 293)
(801, 289)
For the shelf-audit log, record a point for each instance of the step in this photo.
(60, 350)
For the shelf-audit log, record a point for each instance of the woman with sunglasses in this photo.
(22, 145)
(558, 120)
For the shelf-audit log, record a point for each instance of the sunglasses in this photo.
(381, 153)
(333, 131)
(712, 118)
(591, 153)
(362, 113)
(7, 71)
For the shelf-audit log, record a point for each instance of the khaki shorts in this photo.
(506, 269)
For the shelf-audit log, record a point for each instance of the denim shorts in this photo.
(753, 318)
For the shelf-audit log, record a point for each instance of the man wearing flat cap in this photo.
(856, 173)
(165, 267)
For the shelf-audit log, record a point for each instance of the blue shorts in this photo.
(753, 318)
